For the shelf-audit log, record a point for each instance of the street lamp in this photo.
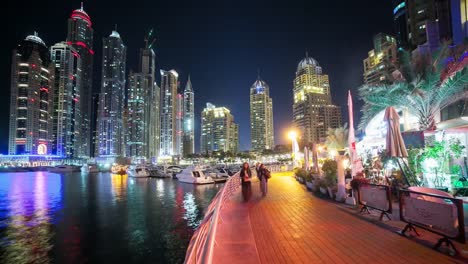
(292, 135)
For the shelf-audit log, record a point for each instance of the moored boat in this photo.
(119, 169)
(64, 168)
(194, 175)
(159, 172)
(138, 171)
(90, 168)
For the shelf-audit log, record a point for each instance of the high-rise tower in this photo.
(189, 119)
(111, 98)
(67, 86)
(380, 64)
(218, 130)
(261, 116)
(179, 125)
(32, 79)
(313, 110)
(168, 112)
(80, 37)
(143, 107)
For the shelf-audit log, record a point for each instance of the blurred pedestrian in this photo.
(246, 176)
(263, 175)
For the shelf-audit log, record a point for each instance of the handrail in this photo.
(201, 246)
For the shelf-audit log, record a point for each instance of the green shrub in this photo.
(330, 168)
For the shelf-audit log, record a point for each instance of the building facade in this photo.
(218, 130)
(80, 37)
(143, 108)
(179, 125)
(168, 112)
(31, 99)
(430, 23)
(111, 98)
(313, 111)
(261, 116)
(66, 107)
(189, 119)
(380, 63)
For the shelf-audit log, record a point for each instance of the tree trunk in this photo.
(341, 194)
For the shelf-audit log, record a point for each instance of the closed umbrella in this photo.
(306, 158)
(395, 144)
(315, 157)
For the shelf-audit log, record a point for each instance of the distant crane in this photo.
(149, 39)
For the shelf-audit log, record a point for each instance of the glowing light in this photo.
(42, 149)
(292, 135)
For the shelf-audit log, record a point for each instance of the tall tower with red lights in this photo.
(32, 79)
(80, 37)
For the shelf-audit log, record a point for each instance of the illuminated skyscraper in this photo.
(380, 63)
(429, 23)
(143, 107)
(168, 112)
(80, 37)
(313, 111)
(111, 99)
(179, 127)
(189, 119)
(66, 105)
(218, 130)
(261, 116)
(32, 80)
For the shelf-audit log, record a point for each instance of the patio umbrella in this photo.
(395, 145)
(315, 157)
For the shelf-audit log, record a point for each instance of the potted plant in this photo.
(321, 185)
(330, 168)
(309, 181)
(358, 182)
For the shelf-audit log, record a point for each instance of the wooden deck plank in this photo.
(292, 226)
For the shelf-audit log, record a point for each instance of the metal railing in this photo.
(201, 246)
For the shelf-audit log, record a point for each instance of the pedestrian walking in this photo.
(246, 176)
(263, 176)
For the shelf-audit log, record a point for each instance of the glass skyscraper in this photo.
(67, 87)
(111, 99)
(32, 80)
(313, 111)
(189, 119)
(261, 116)
(80, 37)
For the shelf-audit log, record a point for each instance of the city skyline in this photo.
(224, 77)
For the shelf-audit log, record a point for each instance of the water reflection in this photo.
(26, 224)
(103, 218)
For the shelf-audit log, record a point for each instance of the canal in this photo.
(98, 218)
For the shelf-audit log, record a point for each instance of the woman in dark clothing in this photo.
(263, 175)
(246, 176)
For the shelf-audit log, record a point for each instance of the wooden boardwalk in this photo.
(290, 225)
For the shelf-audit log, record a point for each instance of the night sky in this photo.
(220, 43)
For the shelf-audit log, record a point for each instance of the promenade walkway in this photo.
(290, 225)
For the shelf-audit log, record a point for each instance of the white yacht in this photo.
(63, 168)
(159, 172)
(138, 171)
(194, 175)
(89, 168)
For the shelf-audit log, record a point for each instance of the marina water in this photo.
(97, 218)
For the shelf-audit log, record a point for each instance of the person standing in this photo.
(263, 176)
(246, 176)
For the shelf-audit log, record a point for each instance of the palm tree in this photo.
(421, 85)
(337, 138)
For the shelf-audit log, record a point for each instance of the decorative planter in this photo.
(309, 185)
(442, 188)
(330, 192)
(323, 190)
(301, 180)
